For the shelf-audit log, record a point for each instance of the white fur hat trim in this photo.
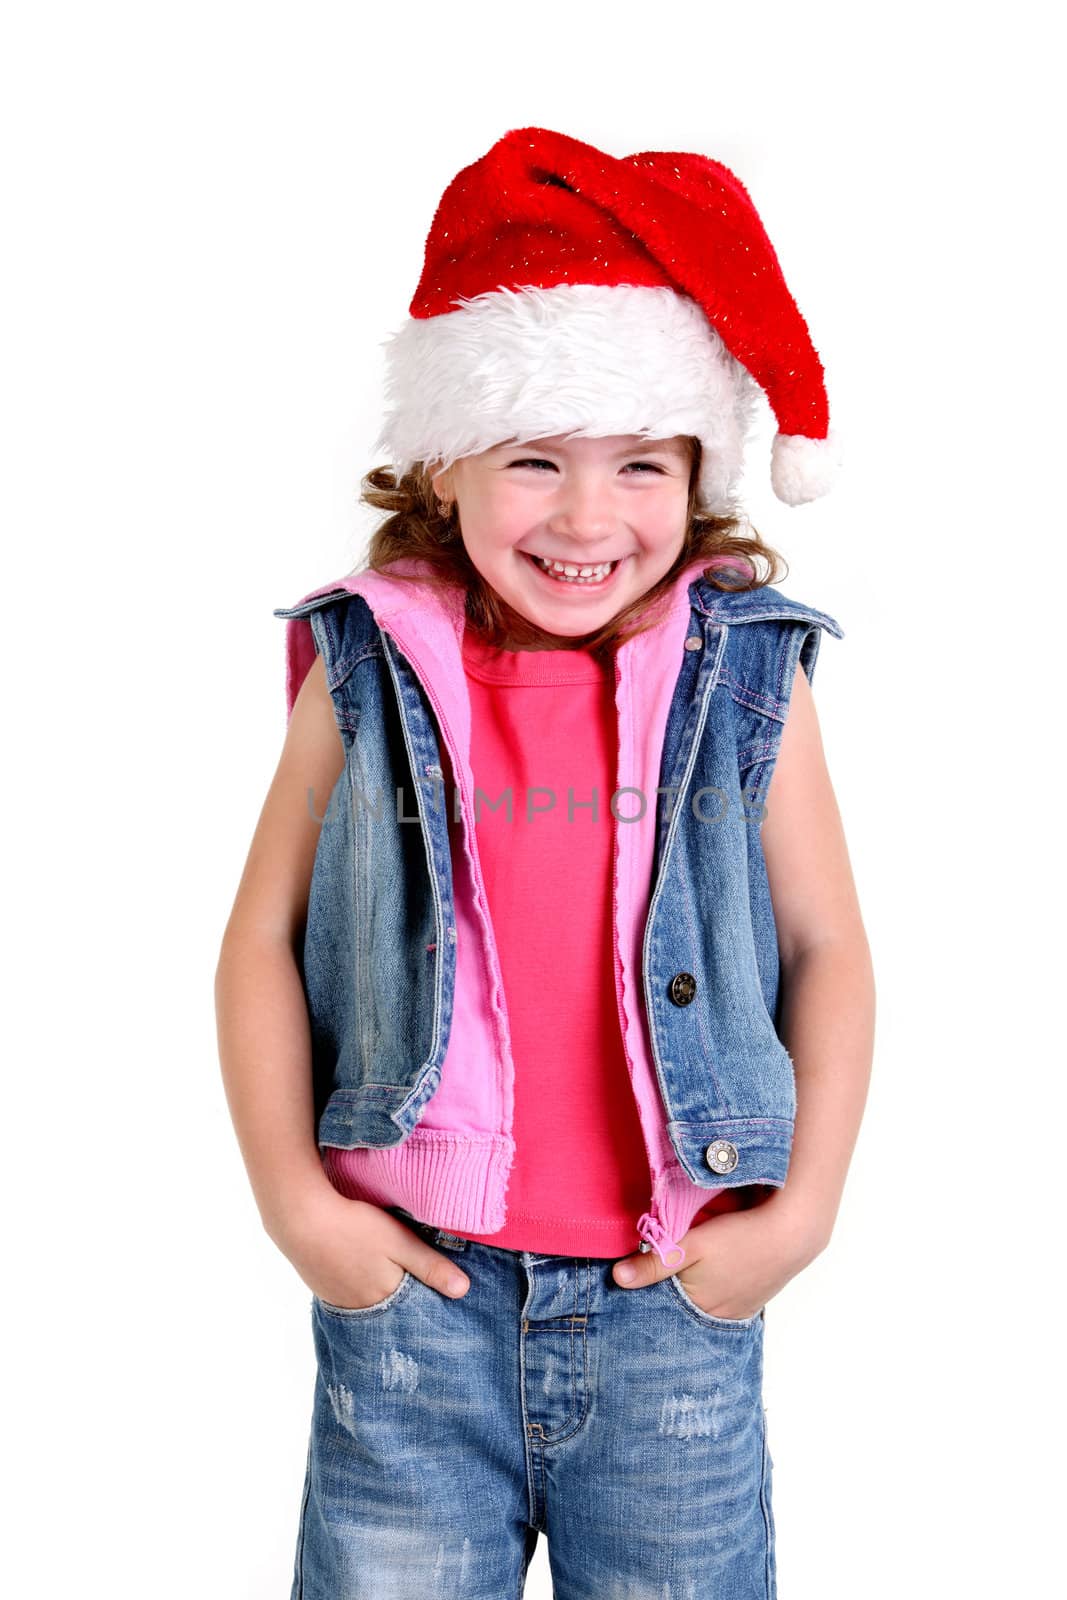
(586, 360)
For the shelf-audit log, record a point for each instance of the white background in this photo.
(215, 214)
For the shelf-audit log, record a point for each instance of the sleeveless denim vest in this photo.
(412, 1071)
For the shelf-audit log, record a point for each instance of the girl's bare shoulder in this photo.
(803, 838)
(275, 885)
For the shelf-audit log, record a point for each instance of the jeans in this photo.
(626, 1424)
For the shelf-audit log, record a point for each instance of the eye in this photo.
(530, 461)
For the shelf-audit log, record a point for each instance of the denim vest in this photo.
(412, 1073)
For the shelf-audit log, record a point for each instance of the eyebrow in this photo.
(644, 447)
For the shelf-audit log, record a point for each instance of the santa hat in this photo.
(565, 291)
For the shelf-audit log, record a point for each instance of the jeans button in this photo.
(682, 988)
(721, 1156)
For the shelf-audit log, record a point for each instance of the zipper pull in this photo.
(652, 1234)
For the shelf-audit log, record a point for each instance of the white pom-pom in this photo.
(802, 469)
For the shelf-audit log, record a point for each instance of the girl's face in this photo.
(621, 500)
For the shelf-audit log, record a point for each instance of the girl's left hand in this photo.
(735, 1263)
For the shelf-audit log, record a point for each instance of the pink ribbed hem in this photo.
(458, 1182)
(447, 1180)
(678, 1200)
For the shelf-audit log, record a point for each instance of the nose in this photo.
(583, 512)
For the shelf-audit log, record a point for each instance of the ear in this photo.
(441, 482)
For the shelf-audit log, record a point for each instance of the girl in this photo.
(545, 1014)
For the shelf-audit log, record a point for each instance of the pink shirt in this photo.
(544, 729)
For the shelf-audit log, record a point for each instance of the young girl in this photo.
(545, 1014)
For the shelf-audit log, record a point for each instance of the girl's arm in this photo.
(263, 1027)
(349, 1252)
(828, 994)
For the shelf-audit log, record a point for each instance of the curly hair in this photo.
(417, 528)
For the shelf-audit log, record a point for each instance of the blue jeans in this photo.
(626, 1424)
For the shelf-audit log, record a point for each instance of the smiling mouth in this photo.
(573, 572)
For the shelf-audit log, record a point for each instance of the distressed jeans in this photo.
(627, 1425)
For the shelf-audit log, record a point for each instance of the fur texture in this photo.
(802, 469)
(587, 360)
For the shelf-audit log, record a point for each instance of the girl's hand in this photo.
(354, 1255)
(735, 1263)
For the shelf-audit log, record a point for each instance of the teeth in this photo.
(575, 574)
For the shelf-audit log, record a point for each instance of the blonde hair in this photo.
(417, 528)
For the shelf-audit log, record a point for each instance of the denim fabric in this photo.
(626, 1425)
(724, 1073)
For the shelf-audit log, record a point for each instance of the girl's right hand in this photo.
(353, 1255)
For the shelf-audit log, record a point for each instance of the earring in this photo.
(446, 508)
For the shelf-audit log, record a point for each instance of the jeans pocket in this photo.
(353, 1312)
(690, 1306)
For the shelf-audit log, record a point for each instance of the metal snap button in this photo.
(682, 988)
(693, 642)
(721, 1156)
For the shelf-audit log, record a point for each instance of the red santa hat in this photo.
(565, 291)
